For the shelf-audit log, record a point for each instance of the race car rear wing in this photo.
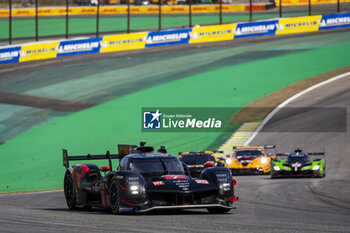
(123, 150)
(308, 153)
(207, 151)
(264, 146)
(108, 156)
(314, 155)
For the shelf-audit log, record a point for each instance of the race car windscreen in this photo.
(251, 153)
(157, 166)
(197, 159)
(301, 158)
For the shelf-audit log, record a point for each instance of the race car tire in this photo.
(114, 198)
(218, 210)
(69, 190)
(324, 171)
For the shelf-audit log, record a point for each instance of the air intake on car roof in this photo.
(144, 149)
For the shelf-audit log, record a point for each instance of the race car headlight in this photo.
(316, 167)
(228, 161)
(263, 160)
(276, 168)
(134, 189)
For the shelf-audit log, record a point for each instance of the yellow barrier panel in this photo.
(123, 42)
(38, 51)
(306, 2)
(212, 33)
(298, 25)
(123, 10)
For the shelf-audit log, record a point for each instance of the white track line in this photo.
(30, 192)
(274, 111)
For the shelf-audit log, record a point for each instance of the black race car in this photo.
(145, 180)
(199, 160)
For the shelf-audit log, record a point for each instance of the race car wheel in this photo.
(324, 171)
(114, 198)
(69, 190)
(218, 210)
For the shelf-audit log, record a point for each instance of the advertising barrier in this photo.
(104, 10)
(170, 37)
(197, 34)
(38, 51)
(262, 28)
(298, 25)
(212, 33)
(123, 42)
(306, 2)
(10, 55)
(75, 47)
(335, 21)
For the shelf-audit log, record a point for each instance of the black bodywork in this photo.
(131, 188)
(195, 162)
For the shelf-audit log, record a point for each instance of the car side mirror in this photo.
(186, 169)
(105, 169)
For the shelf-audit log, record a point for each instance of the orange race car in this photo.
(250, 160)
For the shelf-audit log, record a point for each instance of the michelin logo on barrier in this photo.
(212, 33)
(262, 28)
(9, 55)
(217, 33)
(38, 51)
(84, 46)
(298, 24)
(170, 37)
(335, 21)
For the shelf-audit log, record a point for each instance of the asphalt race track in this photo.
(285, 205)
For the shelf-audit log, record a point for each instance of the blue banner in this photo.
(170, 37)
(335, 21)
(9, 55)
(75, 47)
(262, 28)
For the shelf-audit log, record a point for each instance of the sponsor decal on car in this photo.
(175, 177)
(182, 184)
(157, 183)
(296, 166)
(202, 181)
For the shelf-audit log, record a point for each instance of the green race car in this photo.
(298, 164)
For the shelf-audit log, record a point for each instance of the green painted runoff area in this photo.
(25, 28)
(33, 160)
